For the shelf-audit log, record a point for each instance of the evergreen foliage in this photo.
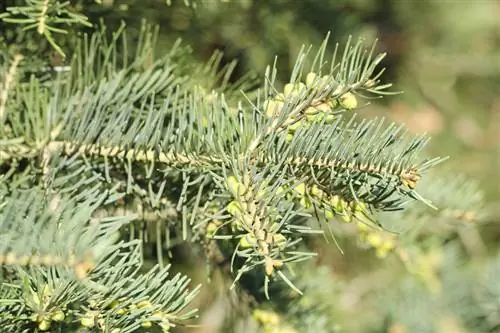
(117, 149)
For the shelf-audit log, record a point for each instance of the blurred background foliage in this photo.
(445, 56)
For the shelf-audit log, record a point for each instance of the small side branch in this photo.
(43, 17)
(7, 84)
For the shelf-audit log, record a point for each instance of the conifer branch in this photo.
(43, 17)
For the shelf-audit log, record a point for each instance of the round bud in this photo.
(212, 227)
(330, 215)
(280, 190)
(374, 239)
(165, 327)
(294, 125)
(300, 189)
(144, 304)
(291, 88)
(146, 324)
(335, 202)
(266, 317)
(234, 208)
(381, 252)
(305, 202)
(44, 325)
(311, 111)
(329, 119)
(87, 321)
(313, 118)
(277, 263)
(247, 241)
(310, 78)
(348, 101)
(317, 192)
(279, 240)
(235, 187)
(287, 90)
(346, 217)
(57, 315)
(388, 244)
(121, 311)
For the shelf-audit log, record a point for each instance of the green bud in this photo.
(311, 111)
(44, 325)
(329, 119)
(313, 118)
(266, 317)
(305, 202)
(358, 206)
(330, 215)
(294, 125)
(121, 311)
(291, 88)
(280, 190)
(374, 239)
(235, 187)
(57, 315)
(381, 252)
(144, 304)
(317, 192)
(280, 241)
(165, 327)
(310, 78)
(247, 241)
(348, 101)
(287, 90)
(212, 227)
(234, 208)
(346, 217)
(87, 321)
(300, 189)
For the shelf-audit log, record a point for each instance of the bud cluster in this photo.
(95, 318)
(44, 314)
(382, 241)
(319, 110)
(258, 229)
(333, 205)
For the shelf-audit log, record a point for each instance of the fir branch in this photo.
(29, 242)
(42, 17)
(117, 116)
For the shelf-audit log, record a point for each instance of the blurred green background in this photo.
(443, 54)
